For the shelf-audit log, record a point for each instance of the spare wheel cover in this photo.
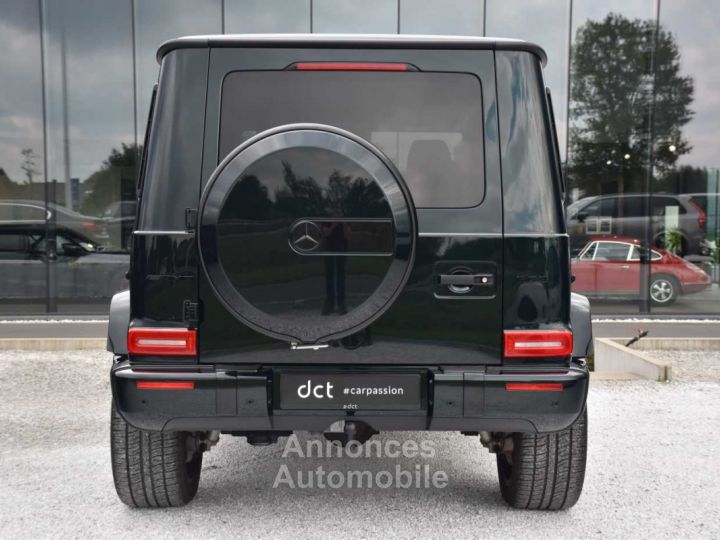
(306, 233)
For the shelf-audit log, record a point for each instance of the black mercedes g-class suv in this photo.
(364, 232)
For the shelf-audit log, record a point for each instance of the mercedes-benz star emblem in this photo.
(305, 236)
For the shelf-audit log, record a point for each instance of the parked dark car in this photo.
(610, 268)
(20, 211)
(630, 213)
(349, 234)
(80, 270)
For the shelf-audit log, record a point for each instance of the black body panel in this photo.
(174, 148)
(163, 275)
(464, 328)
(476, 270)
(537, 285)
(427, 324)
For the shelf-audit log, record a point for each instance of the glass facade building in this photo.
(635, 86)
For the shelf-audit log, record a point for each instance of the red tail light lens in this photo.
(165, 385)
(350, 66)
(702, 216)
(534, 387)
(89, 224)
(162, 341)
(538, 343)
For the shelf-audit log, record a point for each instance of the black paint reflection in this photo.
(305, 232)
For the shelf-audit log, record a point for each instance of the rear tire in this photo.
(544, 471)
(153, 469)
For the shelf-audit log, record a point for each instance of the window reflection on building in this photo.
(643, 114)
(349, 16)
(458, 17)
(22, 175)
(631, 168)
(543, 22)
(266, 16)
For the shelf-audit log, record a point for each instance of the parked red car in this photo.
(610, 267)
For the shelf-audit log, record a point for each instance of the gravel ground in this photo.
(691, 365)
(652, 471)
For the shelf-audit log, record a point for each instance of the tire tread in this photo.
(149, 468)
(548, 469)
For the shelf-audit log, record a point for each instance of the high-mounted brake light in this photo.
(165, 385)
(534, 387)
(162, 341)
(538, 343)
(350, 66)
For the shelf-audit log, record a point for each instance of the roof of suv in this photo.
(365, 41)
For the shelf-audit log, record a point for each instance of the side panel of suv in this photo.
(356, 231)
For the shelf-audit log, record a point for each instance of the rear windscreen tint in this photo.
(428, 124)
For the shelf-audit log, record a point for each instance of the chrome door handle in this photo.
(625, 267)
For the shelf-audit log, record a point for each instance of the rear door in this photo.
(429, 117)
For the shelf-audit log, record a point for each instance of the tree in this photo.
(248, 199)
(613, 92)
(28, 164)
(299, 196)
(104, 186)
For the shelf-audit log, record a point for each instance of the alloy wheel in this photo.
(661, 290)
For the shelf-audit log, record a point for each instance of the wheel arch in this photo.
(581, 323)
(118, 323)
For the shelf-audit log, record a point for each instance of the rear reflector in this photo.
(538, 343)
(534, 387)
(162, 341)
(165, 385)
(350, 66)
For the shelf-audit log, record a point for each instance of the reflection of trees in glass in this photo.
(683, 179)
(9, 189)
(29, 165)
(103, 187)
(343, 196)
(611, 97)
(300, 196)
(366, 199)
(248, 199)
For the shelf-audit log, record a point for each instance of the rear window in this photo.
(428, 124)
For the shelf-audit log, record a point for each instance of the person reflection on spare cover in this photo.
(335, 236)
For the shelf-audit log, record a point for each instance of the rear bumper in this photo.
(227, 398)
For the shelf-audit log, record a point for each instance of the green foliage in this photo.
(673, 241)
(613, 93)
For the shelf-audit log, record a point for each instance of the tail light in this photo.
(538, 343)
(351, 66)
(162, 341)
(534, 387)
(702, 216)
(89, 224)
(165, 385)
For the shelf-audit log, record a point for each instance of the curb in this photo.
(675, 344)
(613, 357)
(52, 344)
